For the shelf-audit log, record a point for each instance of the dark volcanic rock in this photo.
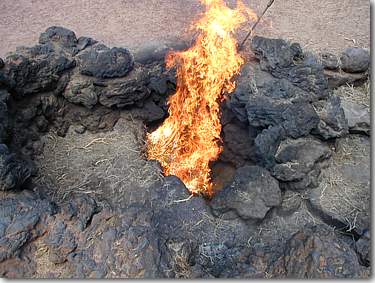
(238, 144)
(35, 237)
(297, 119)
(283, 89)
(113, 245)
(299, 162)
(155, 51)
(80, 90)
(59, 35)
(339, 78)
(287, 61)
(162, 81)
(267, 143)
(254, 83)
(217, 259)
(84, 42)
(251, 195)
(61, 242)
(149, 112)
(131, 90)
(358, 117)
(13, 170)
(174, 205)
(50, 104)
(81, 209)
(279, 91)
(291, 202)
(363, 248)
(276, 54)
(4, 118)
(99, 61)
(80, 129)
(316, 252)
(128, 91)
(245, 87)
(34, 69)
(64, 39)
(19, 216)
(187, 230)
(333, 123)
(329, 61)
(355, 60)
(172, 201)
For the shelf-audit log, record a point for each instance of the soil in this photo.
(317, 25)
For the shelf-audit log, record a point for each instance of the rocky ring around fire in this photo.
(79, 199)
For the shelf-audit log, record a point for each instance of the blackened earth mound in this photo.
(79, 199)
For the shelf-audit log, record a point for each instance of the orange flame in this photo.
(188, 140)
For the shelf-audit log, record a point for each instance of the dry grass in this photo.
(180, 260)
(107, 165)
(359, 95)
(341, 194)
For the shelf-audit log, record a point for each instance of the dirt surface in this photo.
(317, 24)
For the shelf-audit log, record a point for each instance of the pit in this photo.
(81, 199)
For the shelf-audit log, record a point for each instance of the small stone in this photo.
(355, 60)
(238, 145)
(129, 91)
(102, 125)
(80, 129)
(251, 195)
(332, 122)
(284, 60)
(99, 61)
(339, 78)
(42, 124)
(60, 35)
(84, 42)
(298, 119)
(358, 117)
(155, 51)
(329, 61)
(149, 113)
(299, 162)
(13, 170)
(266, 145)
(81, 90)
(290, 203)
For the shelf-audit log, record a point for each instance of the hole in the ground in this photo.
(237, 142)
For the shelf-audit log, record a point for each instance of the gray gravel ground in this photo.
(316, 24)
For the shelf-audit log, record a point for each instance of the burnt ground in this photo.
(317, 25)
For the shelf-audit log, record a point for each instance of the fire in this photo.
(189, 139)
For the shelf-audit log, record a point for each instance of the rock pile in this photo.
(301, 155)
